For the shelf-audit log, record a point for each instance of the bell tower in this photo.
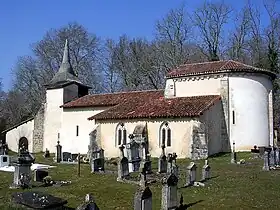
(64, 87)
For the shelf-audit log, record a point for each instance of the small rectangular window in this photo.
(77, 130)
(233, 117)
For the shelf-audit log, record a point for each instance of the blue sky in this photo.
(25, 22)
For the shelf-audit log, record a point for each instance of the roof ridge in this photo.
(124, 92)
(188, 64)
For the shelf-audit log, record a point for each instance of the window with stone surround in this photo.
(165, 135)
(121, 135)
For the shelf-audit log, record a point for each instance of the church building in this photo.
(205, 108)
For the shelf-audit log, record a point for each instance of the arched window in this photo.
(165, 135)
(121, 134)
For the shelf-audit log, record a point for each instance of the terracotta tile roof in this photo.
(159, 107)
(215, 67)
(112, 99)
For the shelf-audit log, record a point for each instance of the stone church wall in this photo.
(38, 132)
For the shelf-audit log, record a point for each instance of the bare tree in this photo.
(239, 36)
(210, 19)
(111, 79)
(173, 33)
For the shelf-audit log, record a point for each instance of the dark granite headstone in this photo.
(47, 154)
(67, 156)
(74, 156)
(39, 175)
(38, 200)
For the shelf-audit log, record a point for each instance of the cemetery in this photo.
(52, 181)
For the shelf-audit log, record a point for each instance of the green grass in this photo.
(233, 186)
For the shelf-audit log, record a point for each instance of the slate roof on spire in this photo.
(65, 74)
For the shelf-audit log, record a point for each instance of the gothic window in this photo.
(121, 135)
(165, 135)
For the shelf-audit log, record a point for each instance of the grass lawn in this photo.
(233, 186)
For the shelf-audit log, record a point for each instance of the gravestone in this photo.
(174, 166)
(38, 200)
(191, 174)
(205, 171)
(169, 192)
(47, 154)
(255, 152)
(266, 161)
(22, 173)
(169, 163)
(123, 170)
(58, 154)
(143, 196)
(97, 162)
(88, 204)
(277, 157)
(39, 175)
(74, 157)
(67, 157)
(162, 161)
(233, 155)
(133, 154)
(272, 157)
(4, 160)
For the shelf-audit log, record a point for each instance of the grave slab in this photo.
(38, 200)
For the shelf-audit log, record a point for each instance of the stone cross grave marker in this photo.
(162, 161)
(191, 174)
(205, 171)
(266, 161)
(123, 170)
(169, 192)
(58, 154)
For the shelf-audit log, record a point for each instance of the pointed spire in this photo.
(66, 64)
(66, 57)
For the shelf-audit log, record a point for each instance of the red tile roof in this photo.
(159, 107)
(112, 99)
(215, 67)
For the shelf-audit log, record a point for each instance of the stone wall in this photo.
(225, 105)
(38, 132)
(199, 148)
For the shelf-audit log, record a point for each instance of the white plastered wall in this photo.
(186, 86)
(212, 119)
(73, 117)
(23, 130)
(53, 118)
(181, 135)
(249, 101)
